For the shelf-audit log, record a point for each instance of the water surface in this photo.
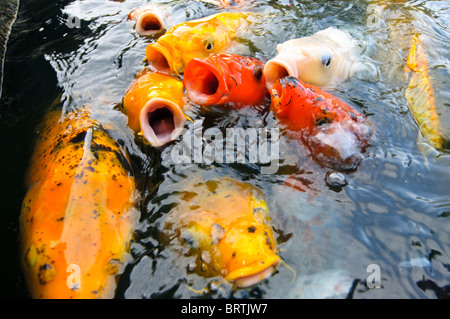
(394, 212)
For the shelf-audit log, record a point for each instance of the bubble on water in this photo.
(336, 179)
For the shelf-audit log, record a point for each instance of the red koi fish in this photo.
(225, 78)
(335, 133)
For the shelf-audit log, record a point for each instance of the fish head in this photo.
(248, 249)
(182, 43)
(149, 21)
(225, 78)
(323, 59)
(226, 225)
(154, 106)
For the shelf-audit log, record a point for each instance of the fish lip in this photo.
(160, 58)
(144, 18)
(178, 119)
(273, 70)
(251, 274)
(191, 77)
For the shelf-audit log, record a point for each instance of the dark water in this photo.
(393, 213)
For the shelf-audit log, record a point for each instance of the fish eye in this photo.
(209, 44)
(326, 59)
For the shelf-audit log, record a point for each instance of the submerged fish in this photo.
(78, 215)
(334, 132)
(193, 39)
(225, 224)
(225, 78)
(149, 20)
(154, 106)
(420, 95)
(325, 59)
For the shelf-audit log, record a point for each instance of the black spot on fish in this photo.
(251, 229)
(78, 138)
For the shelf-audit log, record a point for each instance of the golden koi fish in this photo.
(420, 96)
(154, 106)
(78, 215)
(226, 225)
(193, 39)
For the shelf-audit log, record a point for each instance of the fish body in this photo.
(420, 95)
(193, 39)
(225, 78)
(149, 20)
(226, 225)
(154, 105)
(78, 215)
(334, 132)
(324, 59)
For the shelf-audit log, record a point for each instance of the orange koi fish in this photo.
(149, 20)
(78, 215)
(225, 224)
(154, 105)
(420, 95)
(225, 78)
(334, 132)
(193, 39)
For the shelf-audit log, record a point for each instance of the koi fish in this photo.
(78, 215)
(149, 20)
(226, 226)
(193, 39)
(420, 95)
(330, 284)
(225, 78)
(325, 59)
(154, 106)
(334, 132)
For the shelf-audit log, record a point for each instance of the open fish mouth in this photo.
(160, 58)
(161, 121)
(149, 23)
(252, 274)
(275, 69)
(204, 83)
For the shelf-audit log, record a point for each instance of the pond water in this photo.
(392, 217)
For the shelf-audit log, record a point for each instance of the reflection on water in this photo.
(393, 212)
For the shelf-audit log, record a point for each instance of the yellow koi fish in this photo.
(154, 106)
(78, 215)
(226, 225)
(420, 96)
(193, 39)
